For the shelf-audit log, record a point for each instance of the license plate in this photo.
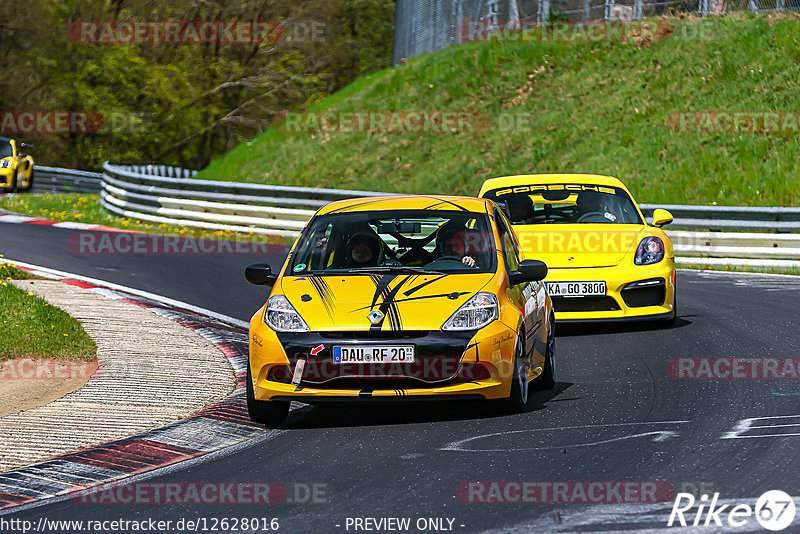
(576, 289)
(374, 354)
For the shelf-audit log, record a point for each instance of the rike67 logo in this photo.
(774, 510)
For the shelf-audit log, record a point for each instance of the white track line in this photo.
(138, 292)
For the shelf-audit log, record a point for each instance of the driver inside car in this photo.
(592, 203)
(452, 241)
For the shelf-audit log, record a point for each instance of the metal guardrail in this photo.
(701, 235)
(170, 195)
(65, 180)
(739, 218)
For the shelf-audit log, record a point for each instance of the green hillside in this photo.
(599, 107)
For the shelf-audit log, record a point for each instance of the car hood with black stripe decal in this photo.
(405, 301)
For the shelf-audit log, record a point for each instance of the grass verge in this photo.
(605, 107)
(31, 328)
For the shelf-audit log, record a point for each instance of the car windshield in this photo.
(566, 203)
(5, 149)
(412, 241)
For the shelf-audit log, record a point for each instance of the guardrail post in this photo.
(544, 11)
(637, 10)
(609, 13)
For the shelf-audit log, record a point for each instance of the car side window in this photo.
(508, 241)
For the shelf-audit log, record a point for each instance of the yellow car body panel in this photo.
(336, 308)
(16, 167)
(592, 252)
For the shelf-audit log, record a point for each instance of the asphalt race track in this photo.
(616, 415)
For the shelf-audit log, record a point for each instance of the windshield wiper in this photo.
(393, 269)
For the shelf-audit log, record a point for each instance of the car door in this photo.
(529, 296)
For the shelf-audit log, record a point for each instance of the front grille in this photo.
(585, 304)
(636, 295)
(437, 356)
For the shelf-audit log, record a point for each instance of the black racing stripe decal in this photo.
(388, 307)
(324, 292)
(360, 204)
(445, 201)
(381, 283)
(439, 296)
(420, 286)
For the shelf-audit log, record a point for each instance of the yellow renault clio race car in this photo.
(401, 298)
(16, 167)
(605, 262)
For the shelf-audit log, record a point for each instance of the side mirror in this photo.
(528, 271)
(26, 145)
(260, 274)
(661, 217)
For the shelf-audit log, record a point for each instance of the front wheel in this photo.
(13, 187)
(30, 183)
(269, 413)
(518, 396)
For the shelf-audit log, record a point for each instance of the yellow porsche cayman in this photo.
(16, 167)
(401, 298)
(605, 262)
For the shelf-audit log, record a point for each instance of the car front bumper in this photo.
(636, 292)
(455, 365)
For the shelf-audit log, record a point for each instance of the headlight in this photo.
(651, 250)
(6, 163)
(282, 317)
(476, 313)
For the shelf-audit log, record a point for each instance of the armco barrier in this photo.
(738, 218)
(65, 180)
(702, 235)
(170, 195)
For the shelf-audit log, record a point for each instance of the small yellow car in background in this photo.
(16, 167)
(605, 262)
(401, 298)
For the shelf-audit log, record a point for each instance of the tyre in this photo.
(269, 413)
(13, 188)
(30, 183)
(518, 397)
(548, 379)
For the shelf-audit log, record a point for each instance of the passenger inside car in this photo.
(363, 250)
